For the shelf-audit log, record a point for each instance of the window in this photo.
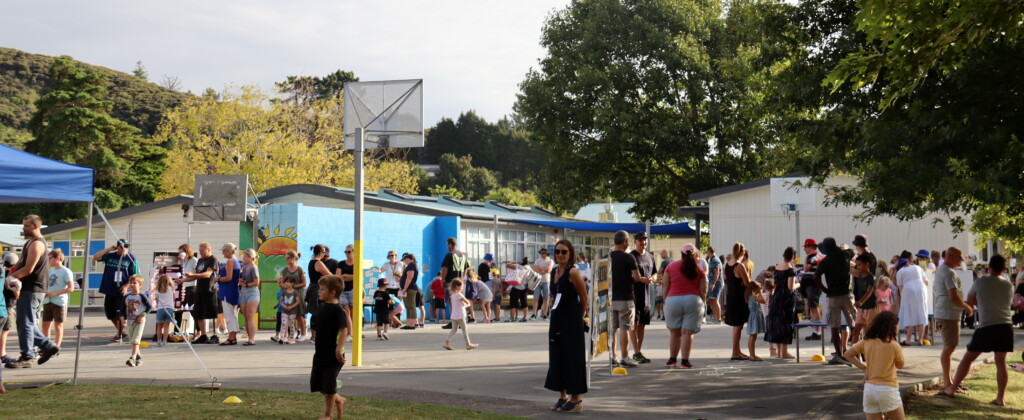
(77, 248)
(478, 242)
(516, 244)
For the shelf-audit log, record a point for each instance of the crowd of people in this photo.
(871, 308)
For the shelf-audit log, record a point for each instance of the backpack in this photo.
(459, 263)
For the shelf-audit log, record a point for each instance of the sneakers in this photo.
(447, 346)
(522, 320)
(130, 362)
(45, 355)
(385, 335)
(814, 336)
(380, 337)
(300, 339)
(534, 316)
(5, 359)
(21, 362)
(628, 362)
(407, 327)
(447, 326)
(203, 339)
(509, 320)
(639, 357)
(290, 342)
(472, 346)
(419, 325)
(138, 360)
(839, 360)
(685, 364)
(671, 363)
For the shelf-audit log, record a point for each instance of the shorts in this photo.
(112, 306)
(542, 291)
(206, 306)
(517, 299)
(881, 398)
(865, 316)
(302, 300)
(54, 313)
(419, 299)
(809, 291)
(382, 318)
(248, 295)
(643, 314)
(994, 338)
(324, 379)
(346, 298)
(840, 307)
(622, 316)
(5, 324)
(950, 329)
(716, 290)
(684, 311)
(135, 331)
(436, 303)
(190, 296)
(164, 315)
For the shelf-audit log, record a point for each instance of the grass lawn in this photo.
(976, 404)
(93, 401)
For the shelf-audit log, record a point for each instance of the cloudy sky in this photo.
(472, 54)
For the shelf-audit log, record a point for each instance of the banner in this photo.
(600, 308)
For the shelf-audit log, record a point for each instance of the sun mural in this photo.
(272, 247)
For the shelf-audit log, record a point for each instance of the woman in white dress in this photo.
(912, 282)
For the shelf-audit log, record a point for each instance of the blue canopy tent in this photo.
(28, 178)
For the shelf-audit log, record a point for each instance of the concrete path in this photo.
(506, 374)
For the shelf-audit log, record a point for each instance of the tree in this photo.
(649, 101)
(140, 71)
(439, 190)
(500, 147)
(459, 173)
(72, 124)
(245, 133)
(513, 196)
(171, 82)
(304, 89)
(938, 129)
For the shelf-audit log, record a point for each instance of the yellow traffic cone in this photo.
(619, 371)
(143, 345)
(232, 400)
(817, 358)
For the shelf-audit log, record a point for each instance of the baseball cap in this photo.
(640, 235)
(122, 243)
(488, 257)
(810, 242)
(543, 251)
(382, 283)
(688, 247)
(11, 258)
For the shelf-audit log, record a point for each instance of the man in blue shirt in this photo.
(119, 266)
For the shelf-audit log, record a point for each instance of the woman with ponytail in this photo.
(685, 289)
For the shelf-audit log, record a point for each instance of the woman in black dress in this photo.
(567, 364)
(783, 305)
(737, 312)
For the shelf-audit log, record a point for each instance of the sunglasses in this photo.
(561, 252)
(348, 252)
(391, 255)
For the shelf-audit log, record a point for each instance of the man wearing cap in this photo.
(31, 271)
(808, 289)
(625, 274)
(833, 277)
(541, 292)
(119, 264)
(483, 271)
(641, 293)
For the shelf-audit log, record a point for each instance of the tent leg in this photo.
(84, 292)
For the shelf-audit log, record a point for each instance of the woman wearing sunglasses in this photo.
(567, 365)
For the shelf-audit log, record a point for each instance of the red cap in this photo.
(810, 243)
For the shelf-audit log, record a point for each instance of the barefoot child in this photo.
(755, 321)
(134, 310)
(164, 308)
(381, 311)
(883, 356)
(329, 356)
(288, 302)
(459, 303)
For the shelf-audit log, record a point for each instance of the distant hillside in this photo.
(24, 77)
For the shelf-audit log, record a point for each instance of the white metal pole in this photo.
(798, 248)
(84, 291)
(357, 292)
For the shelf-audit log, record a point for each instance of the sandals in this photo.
(571, 407)
(248, 343)
(229, 342)
(559, 404)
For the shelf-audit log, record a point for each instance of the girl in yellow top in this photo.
(883, 355)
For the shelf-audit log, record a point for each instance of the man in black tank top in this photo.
(31, 270)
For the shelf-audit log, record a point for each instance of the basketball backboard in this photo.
(219, 198)
(390, 113)
(793, 193)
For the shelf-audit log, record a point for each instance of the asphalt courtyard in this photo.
(506, 374)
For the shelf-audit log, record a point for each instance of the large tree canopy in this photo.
(649, 101)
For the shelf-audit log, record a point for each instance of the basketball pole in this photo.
(357, 272)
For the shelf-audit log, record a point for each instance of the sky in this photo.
(471, 54)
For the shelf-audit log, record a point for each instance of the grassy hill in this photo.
(25, 76)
